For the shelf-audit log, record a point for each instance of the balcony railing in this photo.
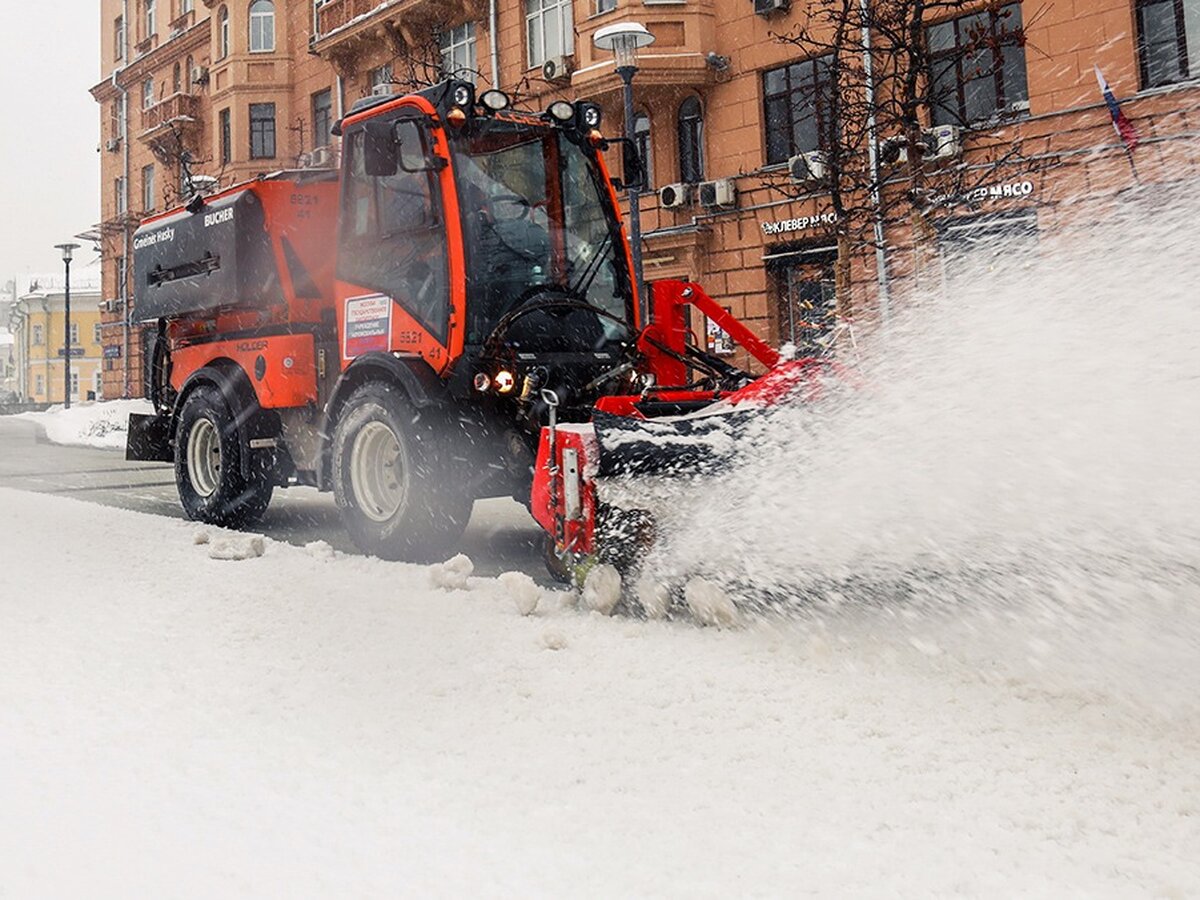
(173, 108)
(335, 14)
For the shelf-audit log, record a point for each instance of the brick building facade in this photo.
(250, 86)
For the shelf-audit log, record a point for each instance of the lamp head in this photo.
(623, 39)
(67, 250)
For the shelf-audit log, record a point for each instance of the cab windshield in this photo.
(537, 223)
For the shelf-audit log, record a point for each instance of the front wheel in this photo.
(398, 495)
(208, 464)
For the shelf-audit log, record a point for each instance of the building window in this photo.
(96, 333)
(119, 38)
(549, 29)
(223, 32)
(691, 141)
(147, 93)
(119, 195)
(807, 302)
(977, 66)
(796, 102)
(186, 7)
(1168, 40)
(262, 26)
(226, 125)
(98, 385)
(458, 52)
(74, 383)
(148, 187)
(603, 6)
(322, 117)
(120, 276)
(117, 118)
(39, 385)
(176, 79)
(74, 334)
(262, 130)
(641, 136)
(381, 76)
(38, 337)
(151, 20)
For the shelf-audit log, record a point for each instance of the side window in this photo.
(392, 240)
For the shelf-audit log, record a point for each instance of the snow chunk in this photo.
(554, 640)
(653, 595)
(523, 590)
(710, 604)
(237, 546)
(452, 575)
(200, 537)
(320, 550)
(602, 589)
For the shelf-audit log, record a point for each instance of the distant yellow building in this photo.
(36, 321)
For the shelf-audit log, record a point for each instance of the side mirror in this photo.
(380, 151)
(411, 145)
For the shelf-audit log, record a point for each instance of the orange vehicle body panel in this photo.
(288, 371)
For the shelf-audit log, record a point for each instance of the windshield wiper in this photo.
(589, 274)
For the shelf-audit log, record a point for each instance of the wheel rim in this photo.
(376, 472)
(204, 458)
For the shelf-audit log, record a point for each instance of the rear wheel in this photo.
(398, 495)
(208, 464)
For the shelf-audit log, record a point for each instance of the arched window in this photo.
(147, 93)
(641, 136)
(691, 141)
(262, 26)
(176, 79)
(223, 32)
(188, 68)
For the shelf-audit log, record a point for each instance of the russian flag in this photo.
(1121, 123)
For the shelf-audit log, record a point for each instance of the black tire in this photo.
(212, 488)
(398, 491)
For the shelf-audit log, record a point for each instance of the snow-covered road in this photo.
(307, 724)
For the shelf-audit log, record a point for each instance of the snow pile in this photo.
(523, 590)
(102, 424)
(305, 727)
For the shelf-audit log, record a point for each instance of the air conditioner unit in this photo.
(810, 166)
(321, 158)
(675, 196)
(944, 141)
(766, 7)
(717, 194)
(383, 90)
(558, 69)
(199, 75)
(112, 145)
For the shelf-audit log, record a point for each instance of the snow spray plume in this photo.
(1020, 484)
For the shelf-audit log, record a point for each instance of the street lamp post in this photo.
(67, 250)
(624, 39)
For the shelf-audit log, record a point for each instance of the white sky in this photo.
(49, 167)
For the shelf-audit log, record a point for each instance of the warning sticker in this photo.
(368, 324)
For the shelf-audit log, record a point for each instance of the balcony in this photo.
(178, 109)
(343, 26)
(683, 34)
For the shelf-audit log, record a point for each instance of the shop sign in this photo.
(75, 351)
(1007, 191)
(803, 223)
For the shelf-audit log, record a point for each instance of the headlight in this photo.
(589, 116)
(504, 381)
(495, 100)
(561, 111)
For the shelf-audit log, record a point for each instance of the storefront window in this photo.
(806, 302)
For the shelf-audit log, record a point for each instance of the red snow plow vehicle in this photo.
(452, 316)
